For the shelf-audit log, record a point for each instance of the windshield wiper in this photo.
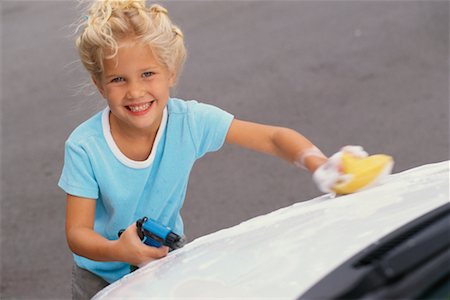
(406, 261)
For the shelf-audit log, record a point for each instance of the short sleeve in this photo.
(209, 126)
(77, 176)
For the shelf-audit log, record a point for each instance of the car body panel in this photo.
(282, 254)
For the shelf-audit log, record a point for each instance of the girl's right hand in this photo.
(130, 248)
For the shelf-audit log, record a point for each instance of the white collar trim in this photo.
(116, 151)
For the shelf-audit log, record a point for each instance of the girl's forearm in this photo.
(87, 243)
(290, 145)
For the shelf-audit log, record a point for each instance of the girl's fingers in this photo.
(152, 254)
(157, 252)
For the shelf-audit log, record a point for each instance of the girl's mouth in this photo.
(140, 109)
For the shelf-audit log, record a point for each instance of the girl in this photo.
(133, 158)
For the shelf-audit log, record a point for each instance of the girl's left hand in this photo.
(330, 173)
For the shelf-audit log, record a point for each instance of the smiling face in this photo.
(136, 87)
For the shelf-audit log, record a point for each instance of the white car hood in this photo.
(282, 254)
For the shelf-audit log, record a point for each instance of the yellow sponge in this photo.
(363, 172)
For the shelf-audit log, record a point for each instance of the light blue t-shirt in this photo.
(126, 190)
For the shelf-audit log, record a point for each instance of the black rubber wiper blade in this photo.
(423, 246)
(387, 261)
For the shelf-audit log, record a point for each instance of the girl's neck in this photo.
(136, 144)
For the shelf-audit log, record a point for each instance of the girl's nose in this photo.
(135, 90)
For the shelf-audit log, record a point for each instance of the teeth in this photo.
(138, 108)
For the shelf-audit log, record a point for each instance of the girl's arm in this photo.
(84, 241)
(282, 142)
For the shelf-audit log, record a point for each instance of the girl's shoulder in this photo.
(188, 107)
(91, 128)
(180, 106)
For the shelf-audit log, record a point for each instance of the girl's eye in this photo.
(147, 74)
(118, 79)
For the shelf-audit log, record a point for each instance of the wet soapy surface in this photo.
(281, 254)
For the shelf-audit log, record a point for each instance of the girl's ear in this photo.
(99, 86)
(172, 79)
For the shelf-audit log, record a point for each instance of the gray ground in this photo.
(344, 72)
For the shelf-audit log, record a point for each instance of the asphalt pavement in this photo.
(371, 73)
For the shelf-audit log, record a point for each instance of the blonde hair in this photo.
(109, 21)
